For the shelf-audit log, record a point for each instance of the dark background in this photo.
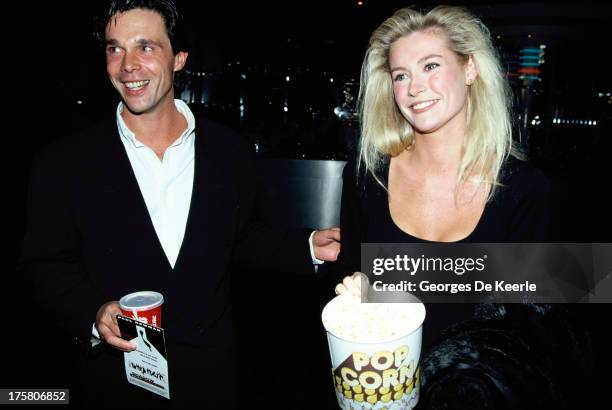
(52, 62)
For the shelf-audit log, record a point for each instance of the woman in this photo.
(436, 163)
(436, 160)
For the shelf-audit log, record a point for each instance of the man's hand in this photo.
(326, 244)
(106, 323)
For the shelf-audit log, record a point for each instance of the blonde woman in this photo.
(436, 160)
(436, 163)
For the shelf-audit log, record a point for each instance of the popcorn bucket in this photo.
(375, 350)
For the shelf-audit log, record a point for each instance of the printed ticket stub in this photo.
(147, 366)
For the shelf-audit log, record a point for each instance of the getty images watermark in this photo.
(489, 272)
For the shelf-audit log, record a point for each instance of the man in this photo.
(152, 199)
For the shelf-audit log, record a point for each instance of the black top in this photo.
(472, 358)
(518, 212)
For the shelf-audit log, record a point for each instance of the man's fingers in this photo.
(334, 233)
(324, 236)
(106, 323)
(331, 252)
(119, 343)
(327, 252)
(334, 252)
(115, 328)
(111, 335)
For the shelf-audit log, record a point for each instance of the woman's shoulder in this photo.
(363, 179)
(520, 176)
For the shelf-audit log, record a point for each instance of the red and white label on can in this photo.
(144, 306)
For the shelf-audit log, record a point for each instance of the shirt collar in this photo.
(181, 106)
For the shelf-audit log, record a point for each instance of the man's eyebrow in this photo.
(140, 41)
(146, 41)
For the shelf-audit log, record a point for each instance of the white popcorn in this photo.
(348, 318)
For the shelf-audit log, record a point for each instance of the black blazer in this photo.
(90, 240)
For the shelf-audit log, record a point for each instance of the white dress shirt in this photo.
(166, 185)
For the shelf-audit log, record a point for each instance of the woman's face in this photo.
(430, 83)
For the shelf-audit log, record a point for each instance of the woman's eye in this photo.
(431, 66)
(400, 77)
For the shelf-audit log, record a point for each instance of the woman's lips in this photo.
(422, 106)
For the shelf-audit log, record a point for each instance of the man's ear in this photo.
(179, 60)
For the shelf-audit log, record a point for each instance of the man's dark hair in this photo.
(167, 9)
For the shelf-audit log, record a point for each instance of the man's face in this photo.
(140, 61)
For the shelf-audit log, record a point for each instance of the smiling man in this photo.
(152, 199)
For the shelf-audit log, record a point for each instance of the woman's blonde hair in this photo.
(385, 132)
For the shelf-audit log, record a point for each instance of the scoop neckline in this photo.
(464, 239)
(397, 227)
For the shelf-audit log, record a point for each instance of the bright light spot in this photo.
(287, 79)
(286, 109)
(331, 80)
(79, 102)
